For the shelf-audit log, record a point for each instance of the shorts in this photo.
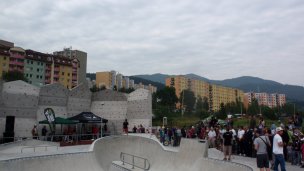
(262, 161)
(227, 149)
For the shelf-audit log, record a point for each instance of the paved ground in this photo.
(108, 150)
(216, 154)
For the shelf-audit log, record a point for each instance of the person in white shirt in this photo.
(211, 137)
(278, 150)
(240, 140)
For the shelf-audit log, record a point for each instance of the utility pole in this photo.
(182, 106)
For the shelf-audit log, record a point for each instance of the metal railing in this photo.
(42, 146)
(145, 161)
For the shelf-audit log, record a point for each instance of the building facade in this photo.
(42, 68)
(215, 94)
(82, 61)
(4, 59)
(265, 99)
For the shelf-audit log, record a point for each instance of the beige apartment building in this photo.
(106, 78)
(215, 94)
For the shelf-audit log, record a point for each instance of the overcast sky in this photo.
(214, 39)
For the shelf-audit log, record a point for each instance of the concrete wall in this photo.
(140, 108)
(27, 103)
(79, 100)
(53, 95)
(110, 105)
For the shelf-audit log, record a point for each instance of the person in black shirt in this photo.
(227, 136)
(125, 126)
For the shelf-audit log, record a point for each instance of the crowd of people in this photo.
(278, 143)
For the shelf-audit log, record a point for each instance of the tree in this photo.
(13, 76)
(253, 109)
(200, 108)
(205, 104)
(95, 88)
(167, 97)
(222, 112)
(187, 100)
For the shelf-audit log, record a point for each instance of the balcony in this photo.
(74, 77)
(11, 68)
(57, 69)
(18, 56)
(18, 63)
(47, 74)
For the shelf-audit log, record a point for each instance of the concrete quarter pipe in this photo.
(108, 154)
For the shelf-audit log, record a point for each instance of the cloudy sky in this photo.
(214, 39)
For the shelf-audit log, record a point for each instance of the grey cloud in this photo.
(215, 39)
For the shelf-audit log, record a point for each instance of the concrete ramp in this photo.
(105, 155)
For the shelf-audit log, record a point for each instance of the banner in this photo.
(50, 117)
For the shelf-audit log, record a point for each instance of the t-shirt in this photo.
(241, 134)
(227, 138)
(211, 134)
(276, 148)
(262, 148)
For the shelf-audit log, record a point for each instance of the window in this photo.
(4, 57)
(31, 62)
(37, 69)
(38, 63)
(62, 73)
(26, 75)
(40, 76)
(68, 74)
(30, 75)
(37, 76)
(27, 61)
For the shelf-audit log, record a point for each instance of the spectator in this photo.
(211, 137)
(240, 140)
(134, 129)
(278, 150)
(35, 132)
(227, 136)
(125, 126)
(296, 151)
(260, 144)
(43, 133)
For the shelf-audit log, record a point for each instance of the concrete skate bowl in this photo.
(106, 156)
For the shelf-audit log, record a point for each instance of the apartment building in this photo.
(215, 94)
(271, 100)
(80, 57)
(106, 78)
(66, 67)
(4, 59)
(180, 83)
(109, 79)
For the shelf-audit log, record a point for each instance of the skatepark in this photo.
(115, 153)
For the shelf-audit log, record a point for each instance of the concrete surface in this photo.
(191, 155)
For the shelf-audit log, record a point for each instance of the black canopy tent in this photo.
(88, 118)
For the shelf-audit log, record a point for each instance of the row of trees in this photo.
(165, 100)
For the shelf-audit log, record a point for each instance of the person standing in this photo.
(227, 136)
(43, 133)
(35, 132)
(278, 150)
(125, 126)
(260, 145)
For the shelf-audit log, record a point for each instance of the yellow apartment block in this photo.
(180, 83)
(4, 60)
(104, 79)
(215, 94)
(65, 76)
